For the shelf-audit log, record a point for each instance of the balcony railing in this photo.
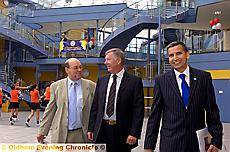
(37, 38)
(150, 8)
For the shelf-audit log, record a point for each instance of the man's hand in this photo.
(213, 148)
(90, 135)
(40, 138)
(131, 140)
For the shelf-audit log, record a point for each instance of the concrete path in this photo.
(19, 133)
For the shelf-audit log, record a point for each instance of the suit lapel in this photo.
(85, 89)
(193, 83)
(104, 88)
(65, 91)
(124, 83)
(173, 82)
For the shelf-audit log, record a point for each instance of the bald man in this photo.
(67, 113)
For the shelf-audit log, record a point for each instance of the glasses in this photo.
(76, 67)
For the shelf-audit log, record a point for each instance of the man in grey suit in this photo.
(69, 107)
(185, 100)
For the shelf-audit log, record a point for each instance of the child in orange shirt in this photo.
(35, 105)
(46, 95)
(14, 104)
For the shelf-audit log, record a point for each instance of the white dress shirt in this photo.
(178, 79)
(75, 105)
(119, 78)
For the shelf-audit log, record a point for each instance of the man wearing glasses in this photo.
(69, 107)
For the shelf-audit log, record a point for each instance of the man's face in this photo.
(74, 71)
(113, 64)
(178, 58)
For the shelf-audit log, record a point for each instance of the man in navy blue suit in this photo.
(185, 100)
(117, 111)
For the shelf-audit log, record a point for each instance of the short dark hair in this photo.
(175, 43)
(66, 64)
(117, 52)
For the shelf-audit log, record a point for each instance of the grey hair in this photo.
(117, 52)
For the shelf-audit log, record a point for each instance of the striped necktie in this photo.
(111, 99)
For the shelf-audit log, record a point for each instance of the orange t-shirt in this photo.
(14, 95)
(1, 96)
(47, 93)
(34, 96)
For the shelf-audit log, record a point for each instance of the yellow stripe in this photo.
(220, 74)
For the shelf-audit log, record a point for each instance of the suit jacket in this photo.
(179, 125)
(129, 106)
(56, 112)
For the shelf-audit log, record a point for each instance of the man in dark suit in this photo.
(117, 111)
(185, 99)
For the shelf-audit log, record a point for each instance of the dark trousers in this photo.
(109, 134)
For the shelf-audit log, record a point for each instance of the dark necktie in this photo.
(111, 99)
(185, 89)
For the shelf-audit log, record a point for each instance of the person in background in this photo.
(69, 107)
(2, 97)
(18, 87)
(185, 100)
(46, 95)
(35, 105)
(117, 112)
(14, 104)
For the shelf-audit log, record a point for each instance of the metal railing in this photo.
(205, 43)
(36, 37)
(139, 9)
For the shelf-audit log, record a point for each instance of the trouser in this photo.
(75, 136)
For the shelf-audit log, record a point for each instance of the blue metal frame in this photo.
(82, 13)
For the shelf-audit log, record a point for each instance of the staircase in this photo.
(39, 43)
(170, 35)
(135, 20)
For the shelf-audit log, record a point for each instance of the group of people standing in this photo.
(112, 111)
(15, 96)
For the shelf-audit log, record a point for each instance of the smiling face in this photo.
(113, 63)
(178, 58)
(74, 69)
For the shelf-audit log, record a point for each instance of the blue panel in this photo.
(68, 18)
(222, 91)
(211, 61)
(207, 2)
(84, 13)
(62, 61)
(80, 10)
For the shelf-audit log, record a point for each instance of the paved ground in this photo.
(19, 133)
